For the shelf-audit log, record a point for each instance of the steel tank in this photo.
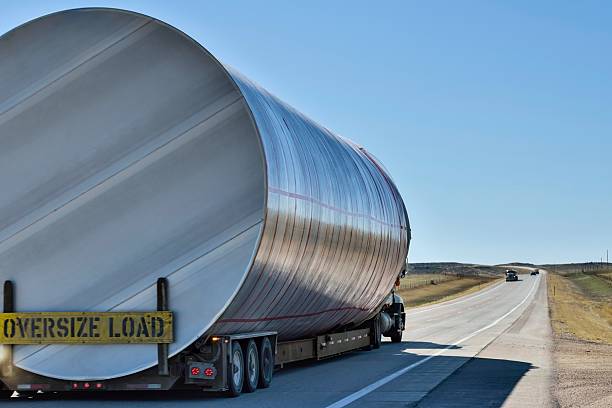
(128, 152)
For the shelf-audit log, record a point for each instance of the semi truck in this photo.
(166, 223)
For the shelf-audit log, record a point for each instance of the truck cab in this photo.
(511, 275)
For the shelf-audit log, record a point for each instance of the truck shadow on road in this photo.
(479, 382)
(472, 382)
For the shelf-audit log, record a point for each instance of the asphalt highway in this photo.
(487, 349)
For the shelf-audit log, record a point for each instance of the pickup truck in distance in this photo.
(511, 276)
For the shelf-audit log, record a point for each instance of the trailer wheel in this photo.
(266, 363)
(375, 329)
(236, 371)
(396, 337)
(251, 367)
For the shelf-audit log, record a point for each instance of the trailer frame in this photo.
(213, 362)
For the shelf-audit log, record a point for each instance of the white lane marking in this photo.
(453, 303)
(375, 385)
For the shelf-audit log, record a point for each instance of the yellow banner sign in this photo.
(86, 327)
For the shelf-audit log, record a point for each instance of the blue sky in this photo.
(494, 118)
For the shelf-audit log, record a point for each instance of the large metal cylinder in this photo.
(128, 153)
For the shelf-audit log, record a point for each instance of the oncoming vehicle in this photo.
(511, 276)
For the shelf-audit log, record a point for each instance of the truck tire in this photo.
(396, 337)
(376, 332)
(266, 363)
(235, 372)
(5, 394)
(251, 367)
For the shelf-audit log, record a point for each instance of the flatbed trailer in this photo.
(232, 364)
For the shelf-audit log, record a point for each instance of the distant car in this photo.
(533, 273)
(511, 276)
(537, 271)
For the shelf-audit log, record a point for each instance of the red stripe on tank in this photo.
(285, 317)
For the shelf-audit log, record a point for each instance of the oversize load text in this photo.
(85, 327)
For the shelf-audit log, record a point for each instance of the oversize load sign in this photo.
(86, 327)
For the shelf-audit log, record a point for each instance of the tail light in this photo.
(202, 371)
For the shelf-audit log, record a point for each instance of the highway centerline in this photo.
(375, 385)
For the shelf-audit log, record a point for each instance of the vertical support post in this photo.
(162, 305)
(6, 351)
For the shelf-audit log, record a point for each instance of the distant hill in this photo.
(518, 264)
(454, 268)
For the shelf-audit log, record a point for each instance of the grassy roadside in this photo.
(443, 291)
(581, 306)
(581, 315)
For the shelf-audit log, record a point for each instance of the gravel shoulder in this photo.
(583, 372)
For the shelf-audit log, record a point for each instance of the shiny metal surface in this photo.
(336, 233)
(128, 152)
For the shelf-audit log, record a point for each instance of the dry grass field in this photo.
(424, 279)
(451, 287)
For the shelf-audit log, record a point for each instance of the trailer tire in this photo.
(396, 337)
(251, 367)
(235, 372)
(266, 363)
(376, 340)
